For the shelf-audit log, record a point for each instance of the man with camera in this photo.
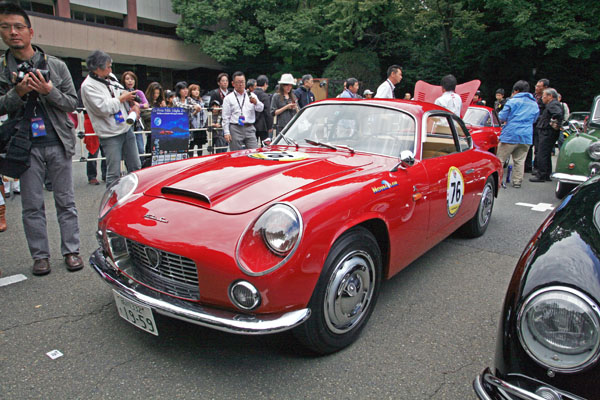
(106, 101)
(36, 91)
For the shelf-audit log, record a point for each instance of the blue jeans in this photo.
(117, 148)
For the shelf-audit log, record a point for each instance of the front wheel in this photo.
(345, 294)
(563, 189)
(477, 225)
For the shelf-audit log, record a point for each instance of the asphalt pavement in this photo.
(433, 329)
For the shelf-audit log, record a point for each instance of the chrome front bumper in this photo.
(568, 178)
(192, 312)
(489, 387)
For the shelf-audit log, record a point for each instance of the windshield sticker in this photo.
(455, 191)
(279, 156)
(385, 185)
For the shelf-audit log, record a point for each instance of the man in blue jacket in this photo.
(519, 113)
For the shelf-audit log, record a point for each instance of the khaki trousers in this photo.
(519, 154)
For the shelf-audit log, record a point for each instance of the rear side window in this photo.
(438, 139)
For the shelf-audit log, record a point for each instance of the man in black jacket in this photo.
(303, 93)
(264, 119)
(220, 92)
(548, 128)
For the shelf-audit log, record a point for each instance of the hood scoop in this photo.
(185, 193)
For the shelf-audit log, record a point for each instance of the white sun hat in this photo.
(287, 79)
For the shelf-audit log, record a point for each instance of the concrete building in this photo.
(138, 34)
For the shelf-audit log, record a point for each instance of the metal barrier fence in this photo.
(80, 116)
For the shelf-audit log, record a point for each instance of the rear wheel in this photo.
(345, 294)
(563, 189)
(477, 225)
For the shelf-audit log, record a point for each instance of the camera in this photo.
(25, 68)
(136, 98)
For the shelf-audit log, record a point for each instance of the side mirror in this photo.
(407, 159)
(267, 142)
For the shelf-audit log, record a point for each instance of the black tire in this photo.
(345, 295)
(563, 189)
(477, 225)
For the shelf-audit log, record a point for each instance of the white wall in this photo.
(157, 10)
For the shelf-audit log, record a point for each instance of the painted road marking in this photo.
(537, 207)
(9, 280)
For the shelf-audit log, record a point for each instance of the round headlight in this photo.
(117, 193)
(594, 150)
(280, 228)
(559, 328)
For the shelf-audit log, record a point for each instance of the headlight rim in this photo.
(242, 265)
(592, 148)
(583, 297)
(111, 189)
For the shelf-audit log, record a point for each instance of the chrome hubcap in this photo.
(349, 291)
(485, 206)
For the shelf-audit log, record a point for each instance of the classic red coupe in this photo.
(484, 127)
(297, 235)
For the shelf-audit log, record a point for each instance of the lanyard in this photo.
(238, 101)
(391, 86)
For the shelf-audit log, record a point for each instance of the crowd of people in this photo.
(243, 116)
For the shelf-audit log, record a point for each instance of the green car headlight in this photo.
(594, 150)
(559, 328)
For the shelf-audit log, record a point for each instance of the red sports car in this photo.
(300, 234)
(484, 126)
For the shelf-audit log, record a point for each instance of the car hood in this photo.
(236, 183)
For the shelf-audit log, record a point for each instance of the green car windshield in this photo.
(362, 128)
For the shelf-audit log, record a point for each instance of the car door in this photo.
(446, 154)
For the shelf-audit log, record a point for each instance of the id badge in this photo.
(241, 120)
(38, 129)
(119, 117)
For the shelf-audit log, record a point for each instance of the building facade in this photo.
(138, 34)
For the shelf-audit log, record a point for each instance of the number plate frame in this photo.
(136, 314)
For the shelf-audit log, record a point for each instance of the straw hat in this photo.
(287, 79)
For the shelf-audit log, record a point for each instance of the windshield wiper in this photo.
(289, 140)
(329, 145)
(315, 143)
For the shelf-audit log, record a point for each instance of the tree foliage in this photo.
(496, 41)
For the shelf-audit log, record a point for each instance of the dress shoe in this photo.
(41, 266)
(73, 261)
(93, 181)
(537, 179)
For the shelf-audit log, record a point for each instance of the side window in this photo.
(463, 141)
(438, 139)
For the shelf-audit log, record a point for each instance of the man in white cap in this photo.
(239, 115)
(368, 94)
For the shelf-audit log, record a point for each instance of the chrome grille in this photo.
(174, 274)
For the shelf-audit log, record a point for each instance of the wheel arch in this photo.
(379, 230)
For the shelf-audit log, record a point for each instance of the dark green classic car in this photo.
(579, 156)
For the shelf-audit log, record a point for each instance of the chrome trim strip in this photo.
(222, 320)
(568, 178)
(502, 387)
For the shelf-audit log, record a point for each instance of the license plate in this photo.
(136, 314)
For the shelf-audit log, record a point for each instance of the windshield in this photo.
(477, 117)
(361, 127)
(596, 114)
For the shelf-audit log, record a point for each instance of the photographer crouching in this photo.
(36, 91)
(112, 110)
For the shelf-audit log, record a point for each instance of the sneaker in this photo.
(93, 181)
(516, 185)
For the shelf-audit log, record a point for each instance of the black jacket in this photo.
(264, 119)
(304, 96)
(216, 95)
(552, 110)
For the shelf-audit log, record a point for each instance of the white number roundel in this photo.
(455, 191)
